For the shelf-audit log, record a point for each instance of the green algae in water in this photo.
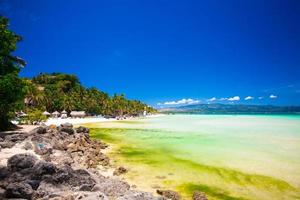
(226, 158)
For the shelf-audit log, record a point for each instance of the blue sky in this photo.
(167, 52)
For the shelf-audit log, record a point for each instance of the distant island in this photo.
(232, 109)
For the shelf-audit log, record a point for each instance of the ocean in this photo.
(225, 156)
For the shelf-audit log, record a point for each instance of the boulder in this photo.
(86, 187)
(2, 193)
(82, 177)
(112, 187)
(21, 161)
(119, 171)
(7, 144)
(74, 178)
(137, 195)
(62, 175)
(68, 130)
(4, 172)
(28, 146)
(199, 196)
(90, 196)
(67, 125)
(43, 168)
(33, 183)
(82, 129)
(38, 130)
(169, 194)
(15, 137)
(19, 190)
(61, 158)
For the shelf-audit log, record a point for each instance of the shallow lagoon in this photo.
(226, 156)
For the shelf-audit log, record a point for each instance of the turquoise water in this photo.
(226, 156)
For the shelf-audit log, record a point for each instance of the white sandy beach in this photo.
(59, 121)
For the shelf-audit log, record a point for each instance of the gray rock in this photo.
(137, 195)
(15, 137)
(4, 172)
(2, 193)
(21, 161)
(62, 175)
(33, 183)
(169, 194)
(19, 190)
(7, 144)
(43, 168)
(112, 187)
(119, 171)
(67, 125)
(39, 130)
(68, 130)
(90, 196)
(199, 196)
(28, 146)
(82, 129)
(86, 187)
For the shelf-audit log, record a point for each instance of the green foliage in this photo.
(11, 86)
(34, 116)
(59, 92)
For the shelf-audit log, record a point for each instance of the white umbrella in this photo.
(46, 113)
(55, 113)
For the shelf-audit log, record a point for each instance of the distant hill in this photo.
(232, 109)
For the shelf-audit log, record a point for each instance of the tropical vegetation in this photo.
(11, 85)
(58, 91)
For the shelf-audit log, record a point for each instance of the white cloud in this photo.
(182, 101)
(272, 96)
(235, 98)
(249, 98)
(212, 99)
(260, 97)
(223, 99)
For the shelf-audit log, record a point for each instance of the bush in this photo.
(35, 116)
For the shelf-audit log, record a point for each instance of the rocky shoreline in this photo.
(61, 163)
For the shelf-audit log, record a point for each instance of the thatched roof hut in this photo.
(78, 114)
(55, 114)
(64, 114)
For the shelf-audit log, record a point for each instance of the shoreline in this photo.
(86, 120)
(50, 153)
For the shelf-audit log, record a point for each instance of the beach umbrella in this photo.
(55, 113)
(22, 114)
(46, 113)
(64, 112)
